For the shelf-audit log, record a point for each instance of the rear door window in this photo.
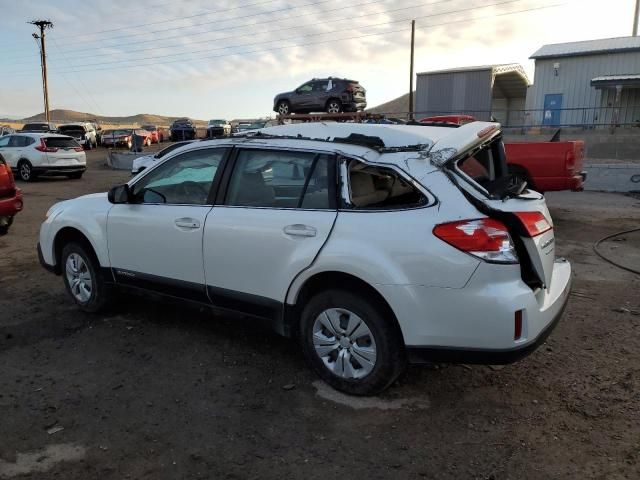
(280, 179)
(18, 141)
(371, 187)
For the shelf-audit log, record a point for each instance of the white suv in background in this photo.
(33, 154)
(370, 244)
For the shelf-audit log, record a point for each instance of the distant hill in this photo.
(396, 106)
(68, 116)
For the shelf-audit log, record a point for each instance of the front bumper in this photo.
(45, 265)
(475, 324)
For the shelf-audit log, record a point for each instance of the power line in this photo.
(336, 40)
(183, 34)
(200, 14)
(93, 102)
(412, 7)
(155, 47)
(181, 54)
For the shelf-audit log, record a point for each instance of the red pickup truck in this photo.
(10, 197)
(546, 166)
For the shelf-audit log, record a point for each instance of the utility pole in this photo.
(43, 25)
(635, 19)
(413, 35)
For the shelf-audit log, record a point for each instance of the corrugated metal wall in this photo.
(467, 92)
(574, 83)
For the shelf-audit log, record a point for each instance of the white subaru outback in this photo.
(371, 244)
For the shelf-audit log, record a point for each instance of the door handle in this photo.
(188, 223)
(300, 230)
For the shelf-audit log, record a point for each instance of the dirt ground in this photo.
(162, 390)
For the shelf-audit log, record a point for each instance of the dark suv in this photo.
(331, 95)
(182, 129)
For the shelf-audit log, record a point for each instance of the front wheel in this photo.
(350, 344)
(83, 278)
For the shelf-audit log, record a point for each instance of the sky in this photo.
(206, 59)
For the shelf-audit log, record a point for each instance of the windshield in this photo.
(149, 127)
(70, 128)
(122, 132)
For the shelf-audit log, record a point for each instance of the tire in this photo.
(342, 365)
(25, 171)
(283, 107)
(89, 145)
(83, 278)
(334, 106)
(4, 229)
(75, 176)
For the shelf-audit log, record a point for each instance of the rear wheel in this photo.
(89, 145)
(25, 171)
(334, 106)
(283, 107)
(350, 344)
(83, 278)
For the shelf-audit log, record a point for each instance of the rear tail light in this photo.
(485, 238)
(43, 147)
(570, 161)
(534, 223)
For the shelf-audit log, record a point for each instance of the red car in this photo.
(157, 136)
(546, 166)
(10, 197)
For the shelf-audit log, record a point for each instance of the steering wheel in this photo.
(192, 189)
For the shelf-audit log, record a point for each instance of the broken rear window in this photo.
(378, 188)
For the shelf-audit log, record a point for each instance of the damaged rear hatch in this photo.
(474, 159)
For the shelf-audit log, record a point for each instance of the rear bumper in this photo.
(9, 206)
(576, 183)
(475, 324)
(59, 169)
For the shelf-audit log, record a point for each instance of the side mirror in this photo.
(119, 194)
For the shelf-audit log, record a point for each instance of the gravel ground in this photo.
(157, 389)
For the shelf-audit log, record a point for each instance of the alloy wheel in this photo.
(79, 278)
(345, 344)
(25, 171)
(333, 107)
(283, 108)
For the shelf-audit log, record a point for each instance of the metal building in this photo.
(497, 91)
(590, 83)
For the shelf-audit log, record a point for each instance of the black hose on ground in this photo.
(595, 249)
